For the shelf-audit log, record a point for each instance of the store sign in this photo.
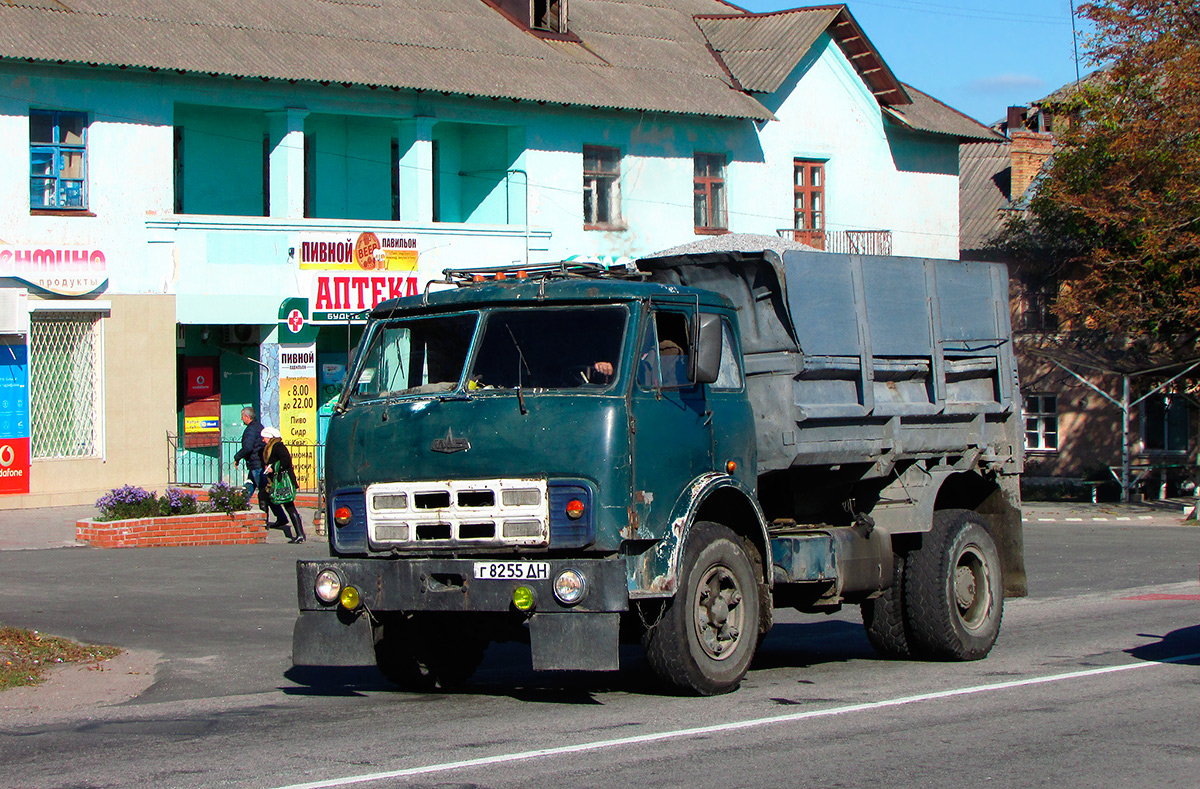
(14, 419)
(357, 252)
(59, 271)
(201, 380)
(298, 408)
(355, 272)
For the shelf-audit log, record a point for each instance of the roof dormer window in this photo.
(548, 15)
(543, 18)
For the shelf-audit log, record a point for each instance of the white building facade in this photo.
(168, 220)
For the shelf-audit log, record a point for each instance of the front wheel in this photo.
(421, 651)
(953, 589)
(708, 633)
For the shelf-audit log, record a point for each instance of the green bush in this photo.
(131, 502)
(223, 497)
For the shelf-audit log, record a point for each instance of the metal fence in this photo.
(211, 464)
(854, 242)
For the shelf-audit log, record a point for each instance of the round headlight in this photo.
(350, 598)
(570, 586)
(328, 586)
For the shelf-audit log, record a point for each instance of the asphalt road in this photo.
(1095, 681)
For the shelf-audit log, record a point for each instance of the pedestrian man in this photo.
(251, 452)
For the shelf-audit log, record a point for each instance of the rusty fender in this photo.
(655, 572)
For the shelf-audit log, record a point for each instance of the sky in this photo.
(978, 56)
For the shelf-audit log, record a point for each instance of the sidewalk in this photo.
(54, 527)
(1157, 512)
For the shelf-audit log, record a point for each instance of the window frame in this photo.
(808, 222)
(592, 180)
(1162, 420)
(716, 218)
(1039, 419)
(56, 149)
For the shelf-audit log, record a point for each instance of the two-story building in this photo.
(200, 198)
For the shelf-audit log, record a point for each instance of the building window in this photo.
(1041, 423)
(709, 191)
(1165, 424)
(601, 187)
(64, 379)
(1037, 304)
(809, 202)
(57, 159)
(548, 15)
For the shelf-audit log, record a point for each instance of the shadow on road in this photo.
(507, 669)
(1178, 646)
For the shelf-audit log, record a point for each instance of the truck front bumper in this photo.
(449, 585)
(583, 636)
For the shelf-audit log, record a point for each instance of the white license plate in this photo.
(520, 571)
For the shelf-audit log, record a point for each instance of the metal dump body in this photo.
(868, 359)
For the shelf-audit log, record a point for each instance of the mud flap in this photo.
(321, 638)
(575, 642)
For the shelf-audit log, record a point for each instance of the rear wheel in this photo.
(708, 633)
(883, 617)
(953, 589)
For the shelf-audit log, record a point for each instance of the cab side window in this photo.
(730, 375)
(663, 359)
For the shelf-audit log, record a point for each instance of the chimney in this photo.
(1029, 152)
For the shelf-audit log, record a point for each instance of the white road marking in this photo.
(1099, 519)
(1124, 518)
(1045, 520)
(677, 734)
(1074, 520)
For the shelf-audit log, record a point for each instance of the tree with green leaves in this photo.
(1117, 212)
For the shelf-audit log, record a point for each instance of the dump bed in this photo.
(863, 359)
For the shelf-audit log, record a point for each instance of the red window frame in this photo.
(808, 201)
(709, 193)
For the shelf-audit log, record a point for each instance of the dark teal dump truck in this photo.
(580, 458)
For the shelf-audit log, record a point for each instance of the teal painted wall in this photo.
(352, 156)
(222, 160)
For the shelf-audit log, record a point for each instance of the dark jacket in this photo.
(252, 446)
(277, 452)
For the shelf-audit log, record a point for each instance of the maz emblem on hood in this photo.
(450, 444)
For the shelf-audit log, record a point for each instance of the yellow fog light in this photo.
(350, 598)
(523, 598)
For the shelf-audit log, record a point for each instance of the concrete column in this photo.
(416, 169)
(286, 130)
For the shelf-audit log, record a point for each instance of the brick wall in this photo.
(1029, 152)
(240, 528)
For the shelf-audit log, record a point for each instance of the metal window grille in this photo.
(64, 374)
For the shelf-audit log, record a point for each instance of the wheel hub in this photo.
(971, 588)
(719, 616)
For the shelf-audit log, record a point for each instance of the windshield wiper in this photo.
(520, 363)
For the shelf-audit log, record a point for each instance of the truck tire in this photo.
(424, 651)
(953, 589)
(883, 617)
(707, 635)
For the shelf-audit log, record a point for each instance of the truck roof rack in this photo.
(515, 272)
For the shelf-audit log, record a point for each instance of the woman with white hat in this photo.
(282, 483)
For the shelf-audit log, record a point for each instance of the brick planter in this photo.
(240, 528)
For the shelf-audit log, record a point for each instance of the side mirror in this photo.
(706, 349)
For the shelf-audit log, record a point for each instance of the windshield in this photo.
(549, 349)
(415, 357)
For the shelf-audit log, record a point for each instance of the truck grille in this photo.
(458, 512)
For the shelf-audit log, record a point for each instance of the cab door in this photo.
(671, 430)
